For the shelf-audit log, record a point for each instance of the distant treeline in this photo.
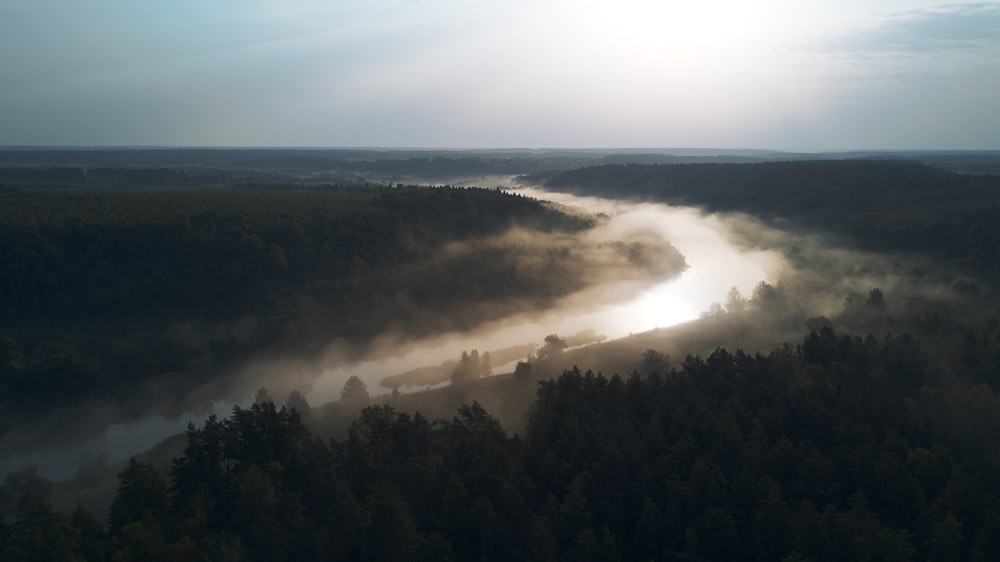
(190, 167)
(891, 205)
(102, 289)
(139, 170)
(31, 164)
(837, 448)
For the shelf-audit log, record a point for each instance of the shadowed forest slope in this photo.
(837, 447)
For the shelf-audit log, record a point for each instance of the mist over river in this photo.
(715, 264)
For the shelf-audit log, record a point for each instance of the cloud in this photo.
(971, 26)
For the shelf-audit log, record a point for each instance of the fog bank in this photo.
(711, 245)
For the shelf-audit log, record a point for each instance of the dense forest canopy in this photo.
(837, 447)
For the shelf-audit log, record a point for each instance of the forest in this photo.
(868, 433)
(835, 447)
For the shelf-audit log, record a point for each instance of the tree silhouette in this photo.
(296, 401)
(734, 301)
(355, 391)
(654, 361)
(554, 346)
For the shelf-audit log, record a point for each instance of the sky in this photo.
(768, 74)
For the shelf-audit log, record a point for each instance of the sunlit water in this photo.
(714, 266)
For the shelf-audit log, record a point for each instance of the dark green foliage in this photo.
(141, 496)
(39, 534)
(822, 451)
(99, 255)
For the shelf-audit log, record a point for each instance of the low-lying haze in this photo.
(614, 305)
(721, 252)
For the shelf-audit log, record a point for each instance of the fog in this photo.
(721, 252)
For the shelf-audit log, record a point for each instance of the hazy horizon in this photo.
(671, 151)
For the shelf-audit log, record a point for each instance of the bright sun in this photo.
(698, 29)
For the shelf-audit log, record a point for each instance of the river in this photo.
(715, 264)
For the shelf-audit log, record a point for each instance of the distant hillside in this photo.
(891, 205)
(201, 167)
